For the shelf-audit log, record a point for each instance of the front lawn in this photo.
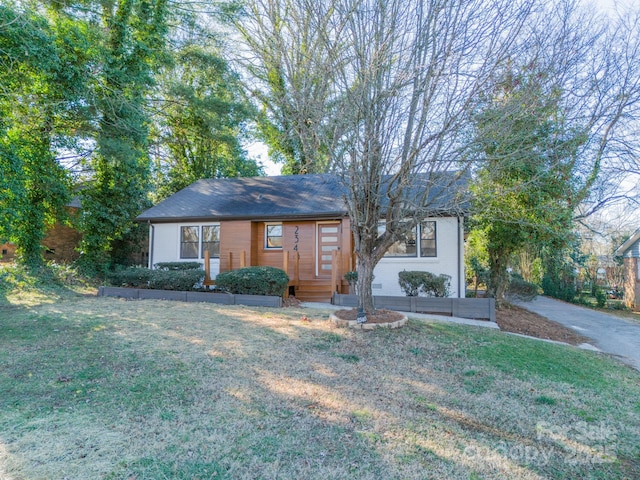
(114, 389)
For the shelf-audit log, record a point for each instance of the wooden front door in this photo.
(328, 240)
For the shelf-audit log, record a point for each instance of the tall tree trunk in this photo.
(365, 277)
(498, 276)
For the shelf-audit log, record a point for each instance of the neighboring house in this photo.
(60, 243)
(630, 252)
(298, 223)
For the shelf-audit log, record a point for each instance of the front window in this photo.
(211, 240)
(189, 242)
(273, 235)
(405, 247)
(428, 239)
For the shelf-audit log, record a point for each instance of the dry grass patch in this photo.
(106, 388)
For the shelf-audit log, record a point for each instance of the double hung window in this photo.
(428, 239)
(273, 235)
(211, 240)
(408, 245)
(189, 241)
(195, 240)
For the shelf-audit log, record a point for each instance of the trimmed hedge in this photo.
(253, 281)
(183, 280)
(413, 283)
(178, 266)
(136, 277)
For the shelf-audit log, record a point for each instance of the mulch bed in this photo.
(508, 317)
(518, 320)
(291, 302)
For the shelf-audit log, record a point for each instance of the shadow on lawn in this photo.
(153, 389)
(372, 403)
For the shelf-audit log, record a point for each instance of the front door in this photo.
(328, 240)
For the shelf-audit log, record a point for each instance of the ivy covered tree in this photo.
(528, 187)
(43, 78)
(132, 47)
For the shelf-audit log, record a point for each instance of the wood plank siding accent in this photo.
(299, 238)
(235, 237)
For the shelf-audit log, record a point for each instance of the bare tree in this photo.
(604, 95)
(416, 70)
(396, 82)
(290, 68)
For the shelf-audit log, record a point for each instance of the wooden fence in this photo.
(475, 308)
(295, 281)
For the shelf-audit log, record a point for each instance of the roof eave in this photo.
(337, 214)
(620, 251)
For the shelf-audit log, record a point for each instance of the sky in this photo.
(258, 150)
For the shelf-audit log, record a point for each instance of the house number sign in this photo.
(296, 239)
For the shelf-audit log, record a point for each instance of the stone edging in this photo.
(366, 326)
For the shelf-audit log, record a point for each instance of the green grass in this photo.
(114, 389)
(20, 285)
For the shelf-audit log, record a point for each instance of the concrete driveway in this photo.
(610, 334)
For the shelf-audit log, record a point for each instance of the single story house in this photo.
(630, 253)
(298, 223)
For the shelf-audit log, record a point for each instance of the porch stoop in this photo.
(314, 291)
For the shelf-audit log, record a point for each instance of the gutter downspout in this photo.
(151, 242)
(460, 274)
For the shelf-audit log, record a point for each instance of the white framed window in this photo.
(196, 239)
(428, 244)
(273, 235)
(405, 247)
(210, 241)
(189, 241)
(408, 245)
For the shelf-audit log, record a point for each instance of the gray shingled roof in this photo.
(255, 198)
(292, 196)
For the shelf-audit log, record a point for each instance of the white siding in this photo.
(633, 251)
(166, 245)
(446, 261)
(166, 248)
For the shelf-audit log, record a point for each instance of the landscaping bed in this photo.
(511, 318)
(379, 319)
(189, 296)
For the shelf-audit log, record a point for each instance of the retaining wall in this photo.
(475, 308)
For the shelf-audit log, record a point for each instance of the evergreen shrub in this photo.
(520, 289)
(601, 298)
(136, 277)
(178, 266)
(181, 280)
(253, 281)
(413, 283)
